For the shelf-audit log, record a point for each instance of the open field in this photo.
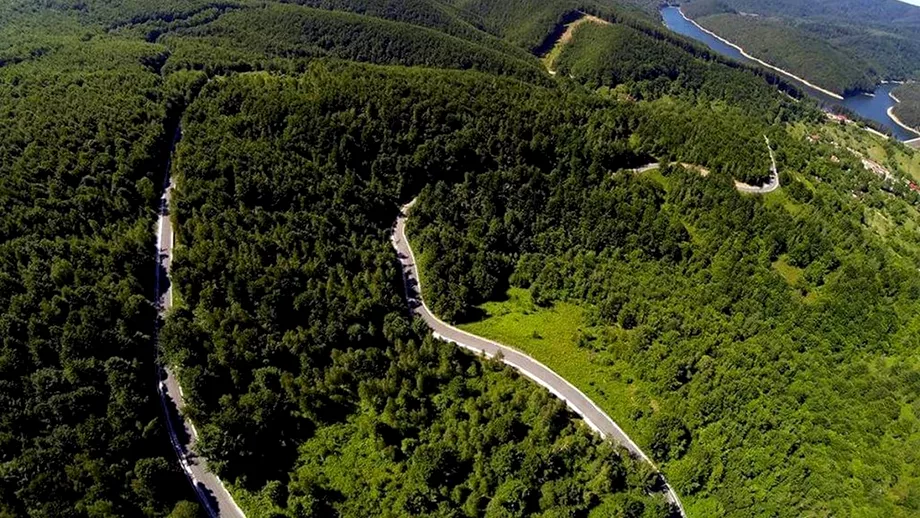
(552, 335)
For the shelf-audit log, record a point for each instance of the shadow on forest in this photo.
(164, 282)
(549, 41)
(471, 314)
(637, 161)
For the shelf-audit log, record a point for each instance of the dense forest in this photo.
(841, 45)
(908, 108)
(772, 338)
(298, 34)
(306, 124)
(293, 341)
(795, 50)
(514, 26)
(80, 431)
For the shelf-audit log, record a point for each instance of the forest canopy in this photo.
(846, 46)
(80, 431)
(293, 331)
(908, 107)
(767, 340)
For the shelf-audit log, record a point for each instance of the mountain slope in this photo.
(298, 34)
(908, 108)
(761, 348)
(837, 44)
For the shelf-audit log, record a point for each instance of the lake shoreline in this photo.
(760, 61)
(898, 121)
(869, 106)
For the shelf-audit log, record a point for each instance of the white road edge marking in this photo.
(404, 211)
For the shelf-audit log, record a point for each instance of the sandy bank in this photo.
(899, 123)
(895, 118)
(760, 61)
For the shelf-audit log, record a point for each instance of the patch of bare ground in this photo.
(698, 168)
(570, 28)
(550, 58)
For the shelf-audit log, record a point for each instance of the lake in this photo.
(874, 107)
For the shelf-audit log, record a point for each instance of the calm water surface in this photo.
(868, 106)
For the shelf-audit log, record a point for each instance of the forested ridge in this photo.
(293, 336)
(908, 108)
(298, 33)
(305, 126)
(752, 371)
(846, 46)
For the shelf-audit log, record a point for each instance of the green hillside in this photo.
(908, 109)
(795, 50)
(761, 348)
(840, 45)
(292, 35)
(720, 328)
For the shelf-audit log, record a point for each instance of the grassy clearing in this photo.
(519, 323)
(876, 148)
(877, 221)
(549, 60)
(779, 198)
(792, 274)
(551, 335)
(795, 278)
(655, 176)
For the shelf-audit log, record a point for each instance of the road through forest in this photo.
(536, 371)
(211, 492)
(770, 186)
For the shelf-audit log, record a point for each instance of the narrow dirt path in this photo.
(549, 60)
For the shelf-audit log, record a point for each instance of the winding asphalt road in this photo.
(214, 497)
(536, 371)
(770, 186)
